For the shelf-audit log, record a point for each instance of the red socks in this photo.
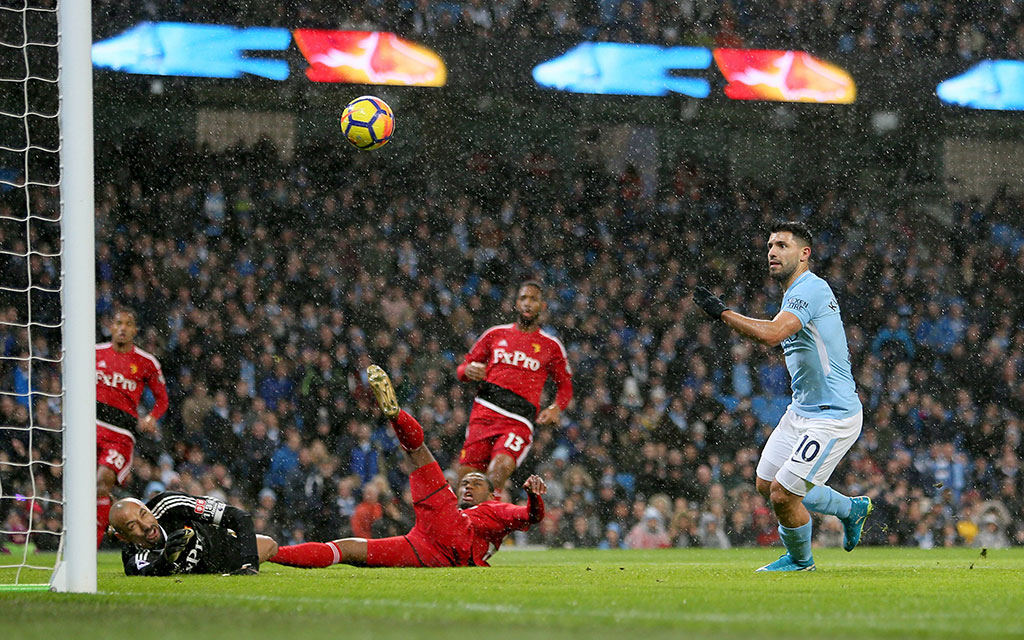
(102, 518)
(312, 555)
(409, 432)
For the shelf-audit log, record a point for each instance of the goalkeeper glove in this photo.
(709, 302)
(176, 543)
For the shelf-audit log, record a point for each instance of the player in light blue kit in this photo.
(825, 417)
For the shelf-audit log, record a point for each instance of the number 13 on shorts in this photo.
(514, 442)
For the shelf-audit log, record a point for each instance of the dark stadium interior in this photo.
(266, 280)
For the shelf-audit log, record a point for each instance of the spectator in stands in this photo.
(649, 533)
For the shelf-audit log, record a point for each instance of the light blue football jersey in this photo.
(817, 355)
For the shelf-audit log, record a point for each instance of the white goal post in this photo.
(46, 154)
(76, 571)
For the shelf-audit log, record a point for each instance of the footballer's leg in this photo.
(105, 481)
(852, 512)
(317, 555)
(794, 525)
(774, 454)
(837, 440)
(786, 496)
(822, 444)
(407, 429)
(500, 469)
(114, 454)
(507, 453)
(266, 547)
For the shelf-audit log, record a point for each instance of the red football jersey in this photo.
(492, 521)
(120, 378)
(521, 362)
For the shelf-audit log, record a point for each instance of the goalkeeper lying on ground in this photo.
(179, 533)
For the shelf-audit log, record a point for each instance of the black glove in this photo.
(176, 543)
(244, 570)
(709, 302)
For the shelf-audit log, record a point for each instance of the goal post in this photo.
(47, 298)
(76, 570)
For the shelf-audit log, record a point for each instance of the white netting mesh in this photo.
(31, 392)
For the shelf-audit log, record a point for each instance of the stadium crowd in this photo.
(265, 288)
(978, 29)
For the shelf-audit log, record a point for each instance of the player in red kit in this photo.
(512, 362)
(122, 372)
(450, 531)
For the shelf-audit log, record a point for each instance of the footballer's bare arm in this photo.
(770, 332)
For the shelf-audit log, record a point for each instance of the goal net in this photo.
(47, 401)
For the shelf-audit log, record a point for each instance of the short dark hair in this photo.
(798, 229)
(123, 309)
(490, 483)
(531, 283)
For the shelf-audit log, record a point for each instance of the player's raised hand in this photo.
(535, 485)
(549, 415)
(176, 543)
(476, 371)
(148, 425)
(709, 302)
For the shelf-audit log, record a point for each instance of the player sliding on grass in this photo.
(449, 531)
(825, 417)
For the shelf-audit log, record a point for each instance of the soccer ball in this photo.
(368, 122)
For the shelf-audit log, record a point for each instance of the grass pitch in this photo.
(870, 593)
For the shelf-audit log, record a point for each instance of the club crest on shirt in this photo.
(134, 369)
(536, 348)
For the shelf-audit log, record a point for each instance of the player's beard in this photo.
(783, 274)
(529, 322)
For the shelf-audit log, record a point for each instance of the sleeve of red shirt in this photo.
(521, 518)
(534, 508)
(559, 368)
(158, 386)
(479, 353)
(513, 516)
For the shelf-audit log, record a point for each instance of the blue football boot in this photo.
(853, 524)
(786, 563)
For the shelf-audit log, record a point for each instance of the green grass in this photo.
(871, 593)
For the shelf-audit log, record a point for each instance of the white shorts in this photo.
(803, 452)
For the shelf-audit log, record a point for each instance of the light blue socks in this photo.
(798, 542)
(826, 500)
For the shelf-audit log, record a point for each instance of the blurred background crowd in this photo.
(266, 287)
(982, 28)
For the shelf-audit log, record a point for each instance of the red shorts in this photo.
(441, 536)
(115, 450)
(490, 433)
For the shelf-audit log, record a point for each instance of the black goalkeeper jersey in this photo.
(224, 537)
